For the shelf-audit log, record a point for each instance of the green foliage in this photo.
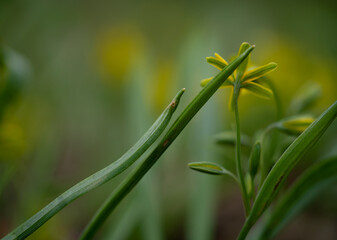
(185, 117)
(100, 177)
(286, 163)
(309, 185)
(127, 159)
(272, 174)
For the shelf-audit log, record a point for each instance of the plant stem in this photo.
(136, 175)
(238, 150)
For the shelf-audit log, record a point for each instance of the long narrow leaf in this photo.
(185, 117)
(285, 164)
(98, 178)
(310, 184)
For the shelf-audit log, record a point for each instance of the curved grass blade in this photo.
(211, 168)
(285, 164)
(306, 188)
(185, 117)
(98, 178)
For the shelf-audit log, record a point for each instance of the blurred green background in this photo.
(94, 75)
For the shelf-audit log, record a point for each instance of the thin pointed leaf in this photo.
(243, 66)
(259, 72)
(99, 177)
(307, 187)
(258, 90)
(285, 164)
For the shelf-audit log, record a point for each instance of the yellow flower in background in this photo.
(161, 84)
(249, 80)
(299, 67)
(13, 143)
(116, 51)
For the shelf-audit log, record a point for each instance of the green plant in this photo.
(272, 175)
(127, 159)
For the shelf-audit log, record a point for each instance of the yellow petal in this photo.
(216, 62)
(243, 66)
(259, 72)
(258, 90)
(220, 58)
(231, 103)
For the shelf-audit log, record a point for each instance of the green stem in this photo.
(244, 230)
(238, 151)
(135, 176)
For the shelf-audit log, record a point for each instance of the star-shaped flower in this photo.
(246, 79)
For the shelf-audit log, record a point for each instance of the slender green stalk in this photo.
(238, 151)
(126, 186)
(98, 178)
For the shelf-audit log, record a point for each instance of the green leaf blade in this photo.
(285, 164)
(306, 188)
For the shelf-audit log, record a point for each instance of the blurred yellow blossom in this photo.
(116, 50)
